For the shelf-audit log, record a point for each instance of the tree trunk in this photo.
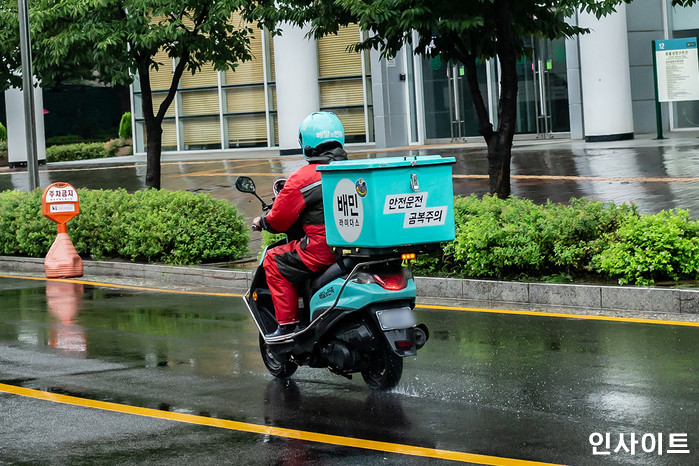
(500, 145)
(153, 121)
(499, 141)
(154, 138)
(499, 159)
(154, 131)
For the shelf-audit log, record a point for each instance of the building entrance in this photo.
(449, 112)
(542, 108)
(542, 101)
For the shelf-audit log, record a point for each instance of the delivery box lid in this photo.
(386, 162)
(392, 202)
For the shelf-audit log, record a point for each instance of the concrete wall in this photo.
(390, 105)
(296, 65)
(644, 20)
(17, 149)
(575, 111)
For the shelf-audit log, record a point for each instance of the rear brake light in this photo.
(404, 344)
(392, 282)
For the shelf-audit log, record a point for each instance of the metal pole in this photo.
(658, 109)
(28, 93)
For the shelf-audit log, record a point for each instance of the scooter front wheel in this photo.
(279, 369)
(385, 369)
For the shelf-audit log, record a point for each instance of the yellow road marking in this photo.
(268, 430)
(77, 169)
(560, 315)
(277, 175)
(126, 287)
(219, 171)
(420, 306)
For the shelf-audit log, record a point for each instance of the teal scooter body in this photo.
(356, 296)
(356, 317)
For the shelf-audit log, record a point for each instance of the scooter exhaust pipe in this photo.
(422, 334)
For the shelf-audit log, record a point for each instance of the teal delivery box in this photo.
(388, 202)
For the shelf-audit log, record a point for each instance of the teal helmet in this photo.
(320, 131)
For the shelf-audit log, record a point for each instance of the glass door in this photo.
(449, 111)
(542, 101)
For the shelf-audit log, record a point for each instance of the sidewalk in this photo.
(476, 143)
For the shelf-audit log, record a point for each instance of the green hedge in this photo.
(125, 126)
(651, 248)
(173, 227)
(504, 239)
(113, 145)
(64, 139)
(81, 151)
(517, 239)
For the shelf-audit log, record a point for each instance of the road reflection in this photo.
(64, 300)
(379, 416)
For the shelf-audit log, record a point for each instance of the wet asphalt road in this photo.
(655, 176)
(506, 386)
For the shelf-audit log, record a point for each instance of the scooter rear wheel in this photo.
(279, 369)
(385, 369)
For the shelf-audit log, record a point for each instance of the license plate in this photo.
(392, 319)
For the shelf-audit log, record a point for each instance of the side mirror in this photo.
(244, 184)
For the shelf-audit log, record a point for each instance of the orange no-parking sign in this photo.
(60, 203)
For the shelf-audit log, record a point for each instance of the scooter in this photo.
(357, 316)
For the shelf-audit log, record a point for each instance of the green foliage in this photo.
(64, 139)
(466, 32)
(81, 151)
(460, 30)
(23, 230)
(499, 238)
(118, 40)
(3, 133)
(652, 248)
(3, 149)
(268, 239)
(154, 226)
(125, 126)
(113, 145)
(495, 238)
(516, 238)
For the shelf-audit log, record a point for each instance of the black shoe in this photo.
(282, 331)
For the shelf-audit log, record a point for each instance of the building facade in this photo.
(598, 87)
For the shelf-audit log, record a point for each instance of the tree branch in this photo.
(485, 127)
(146, 91)
(176, 76)
(507, 108)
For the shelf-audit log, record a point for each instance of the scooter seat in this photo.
(333, 272)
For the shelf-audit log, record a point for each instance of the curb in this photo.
(233, 280)
(598, 297)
